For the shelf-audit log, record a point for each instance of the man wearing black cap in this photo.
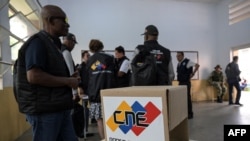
(165, 72)
(68, 45)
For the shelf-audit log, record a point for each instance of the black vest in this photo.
(100, 69)
(125, 79)
(183, 74)
(34, 99)
(163, 56)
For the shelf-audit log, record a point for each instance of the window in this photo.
(239, 10)
(24, 22)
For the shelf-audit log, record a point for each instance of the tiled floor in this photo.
(207, 124)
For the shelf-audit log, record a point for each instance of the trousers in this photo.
(52, 126)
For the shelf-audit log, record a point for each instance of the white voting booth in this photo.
(145, 113)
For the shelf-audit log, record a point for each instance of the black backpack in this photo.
(78, 120)
(143, 67)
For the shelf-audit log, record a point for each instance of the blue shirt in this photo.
(35, 56)
(36, 53)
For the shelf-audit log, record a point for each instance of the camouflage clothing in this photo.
(216, 79)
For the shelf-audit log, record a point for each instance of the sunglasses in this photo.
(63, 19)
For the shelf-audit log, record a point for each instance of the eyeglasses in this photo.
(63, 19)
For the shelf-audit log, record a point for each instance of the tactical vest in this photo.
(124, 80)
(34, 99)
(183, 73)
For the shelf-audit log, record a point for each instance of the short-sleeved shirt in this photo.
(125, 66)
(189, 64)
(35, 56)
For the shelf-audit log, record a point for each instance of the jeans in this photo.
(52, 126)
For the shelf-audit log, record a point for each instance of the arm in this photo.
(237, 69)
(135, 53)
(210, 81)
(69, 61)
(171, 73)
(195, 65)
(39, 77)
(124, 68)
(35, 61)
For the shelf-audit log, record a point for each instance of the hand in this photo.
(75, 74)
(191, 75)
(76, 98)
(73, 82)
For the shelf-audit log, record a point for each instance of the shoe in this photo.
(190, 116)
(89, 134)
(230, 103)
(238, 104)
(219, 99)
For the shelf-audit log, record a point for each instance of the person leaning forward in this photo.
(44, 85)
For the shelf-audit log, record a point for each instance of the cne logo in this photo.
(98, 66)
(135, 118)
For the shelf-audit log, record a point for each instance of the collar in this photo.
(150, 42)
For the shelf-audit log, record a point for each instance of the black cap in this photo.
(151, 30)
(71, 36)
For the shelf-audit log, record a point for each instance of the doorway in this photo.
(244, 56)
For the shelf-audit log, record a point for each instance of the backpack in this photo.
(143, 67)
(78, 119)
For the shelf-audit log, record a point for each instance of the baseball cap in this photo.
(151, 30)
(71, 36)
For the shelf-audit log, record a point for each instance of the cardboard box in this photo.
(145, 113)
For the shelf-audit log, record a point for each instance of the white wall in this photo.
(188, 26)
(230, 36)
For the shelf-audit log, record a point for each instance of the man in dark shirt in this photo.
(233, 78)
(44, 84)
(165, 72)
(122, 69)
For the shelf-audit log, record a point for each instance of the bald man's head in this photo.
(54, 19)
(49, 11)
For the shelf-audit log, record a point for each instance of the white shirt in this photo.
(69, 62)
(125, 66)
(189, 64)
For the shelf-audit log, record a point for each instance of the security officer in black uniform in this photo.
(184, 73)
(122, 68)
